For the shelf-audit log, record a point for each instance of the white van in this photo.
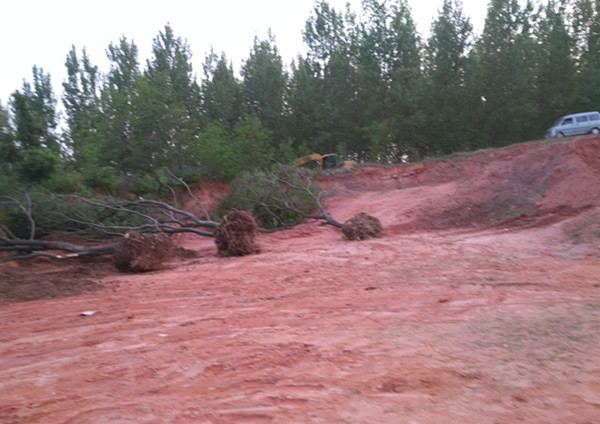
(578, 123)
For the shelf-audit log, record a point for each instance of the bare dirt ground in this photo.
(479, 304)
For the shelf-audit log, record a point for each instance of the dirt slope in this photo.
(479, 304)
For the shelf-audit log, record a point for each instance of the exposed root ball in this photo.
(362, 226)
(142, 252)
(235, 236)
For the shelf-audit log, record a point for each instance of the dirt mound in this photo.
(142, 252)
(236, 235)
(533, 184)
(362, 227)
(527, 184)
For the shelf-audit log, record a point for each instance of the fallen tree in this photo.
(279, 197)
(77, 215)
(109, 220)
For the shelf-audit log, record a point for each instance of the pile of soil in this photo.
(525, 185)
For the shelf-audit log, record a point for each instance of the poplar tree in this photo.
(264, 85)
(120, 110)
(169, 105)
(81, 102)
(9, 153)
(449, 125)
(305, 95)
(556, 72)
(323, 87)
(34, 114)
(586, 27)
(505, 71)
(221, 93)
(391, 59)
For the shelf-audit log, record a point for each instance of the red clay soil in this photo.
(480, 303)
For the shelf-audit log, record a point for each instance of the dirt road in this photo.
(479, 304)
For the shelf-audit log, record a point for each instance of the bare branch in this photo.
(6, 232)
(150, 217)
(317, 198)
(115, 207)
(25, 209)
(40, 254)
(189, 219)
(174, 194)
(34, 248)
(191, 194)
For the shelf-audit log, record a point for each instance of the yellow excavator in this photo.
(323, 162)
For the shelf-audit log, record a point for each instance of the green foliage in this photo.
(12, 217)
(169, 106)
(65, 181)
(214, 153)
(9, 152)
(9, 182)
(324, 84)
(82, 106)
(262, 194)
(69, 214)
(25, 214)
(119, 104)
(37, 165)
(284, 151)
(221, 154)
(368, 87)
(251, 145)
(141, 185)
(448, 104)
(264, 84)
(221, 92)
(100, 178)
(34, 113)
(305, 100)
(506, 61)
(586, 28)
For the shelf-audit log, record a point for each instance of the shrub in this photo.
(65, 182)
(8, 182)
(38, 165)
(262, 194)
(13, 218)
(100, 178)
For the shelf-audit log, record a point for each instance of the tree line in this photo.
(369, 88)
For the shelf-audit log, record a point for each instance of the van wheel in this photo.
(560, 135)
(595, 131)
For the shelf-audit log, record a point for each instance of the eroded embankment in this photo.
(527, 184)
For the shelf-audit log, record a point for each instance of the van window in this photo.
(594, 117)
(582, 118)
(568, 121)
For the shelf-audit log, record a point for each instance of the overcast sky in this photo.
(41, 32)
